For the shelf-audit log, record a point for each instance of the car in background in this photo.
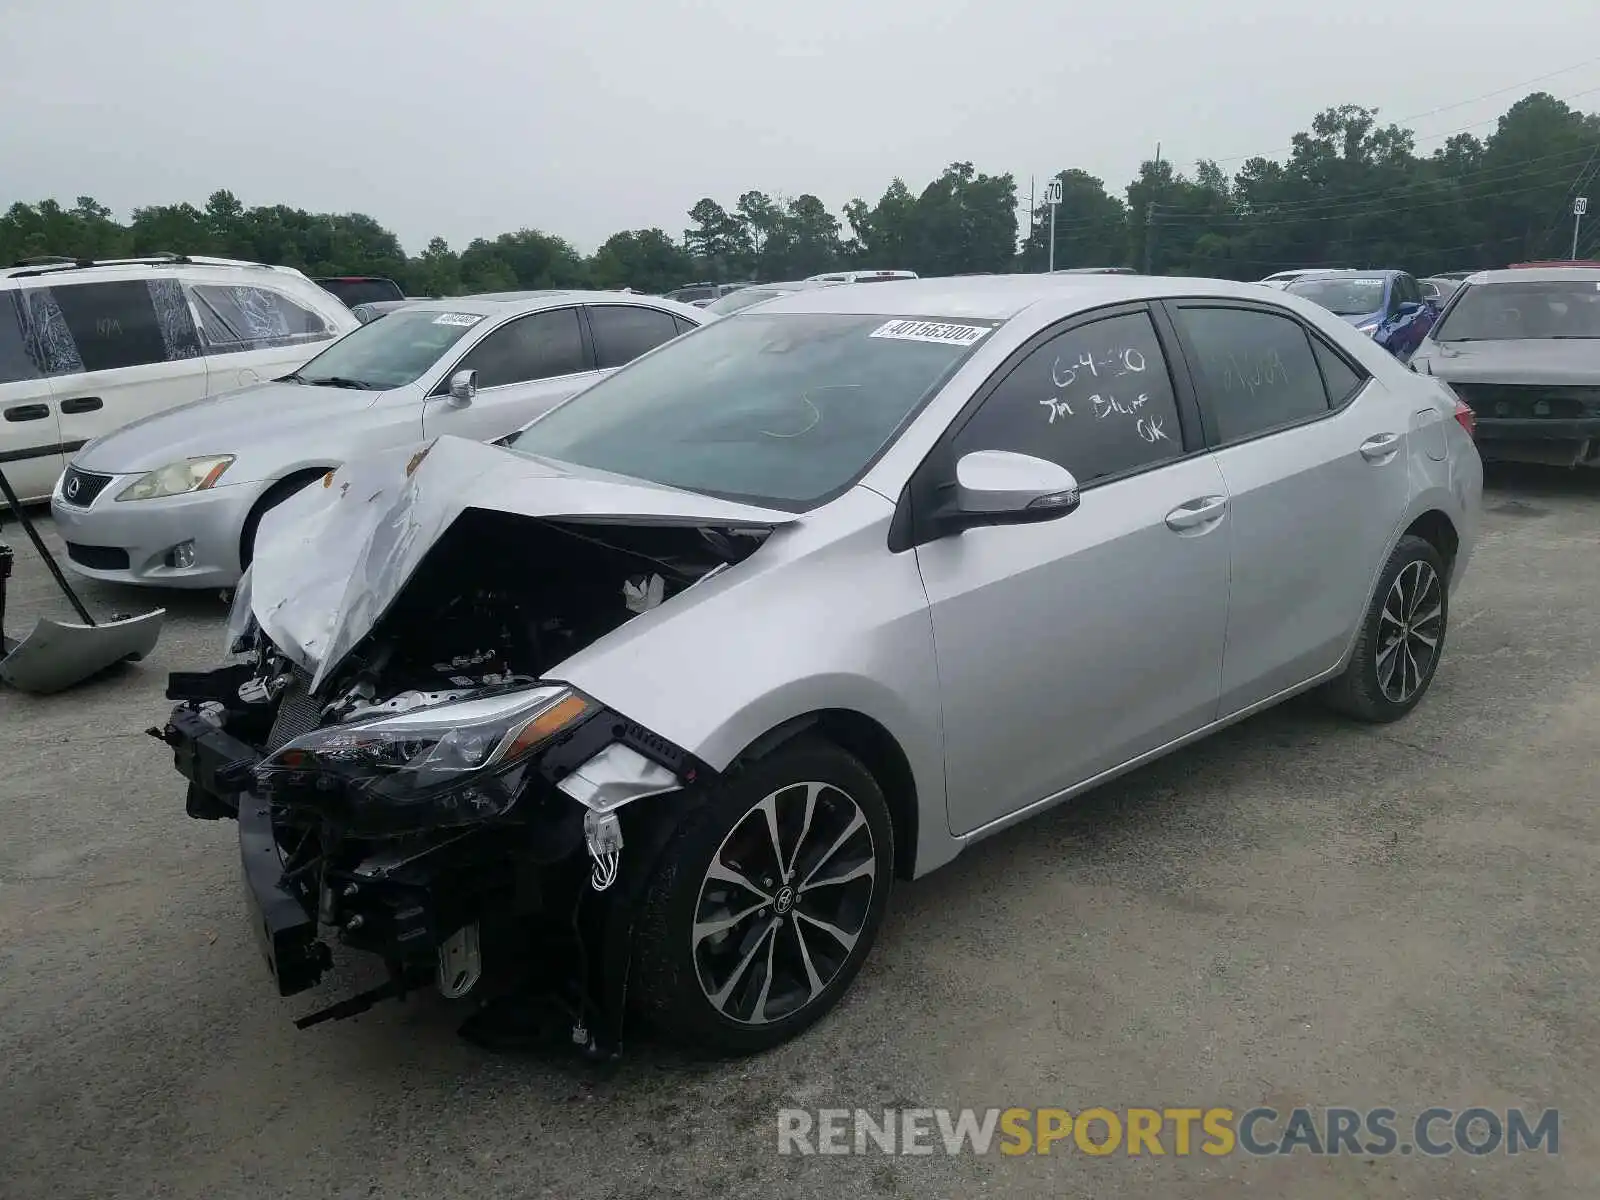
(1521, 347)
(175, 500)
(1458, 276)
(860, 276)
(756, 293)
(87, 347)
(360, 289)
(1094, 271)
(702, 294)
(1387, 306)
(1281, 279)
(1437, 289)
(795, 607)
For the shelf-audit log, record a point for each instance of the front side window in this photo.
(16, 357)
(784, 410)
(254, 318)
(1355, 297)
(1487, 312)
(389, 353)
(1096, 399)
(622, 332)
(1256, 370)
(540, 346)
(127, 323)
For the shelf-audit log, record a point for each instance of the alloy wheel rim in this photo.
(1410, 627)
(783, 902)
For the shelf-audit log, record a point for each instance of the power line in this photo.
(1442, 108)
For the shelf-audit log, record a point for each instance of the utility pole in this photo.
(1580, 205)
(1150, 215)
(1052, 197)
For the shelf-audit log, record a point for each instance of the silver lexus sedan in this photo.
(653, 702)
(175, 499)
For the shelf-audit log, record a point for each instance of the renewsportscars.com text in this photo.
(1215, 1131)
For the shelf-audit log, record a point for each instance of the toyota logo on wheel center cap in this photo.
(784, 900)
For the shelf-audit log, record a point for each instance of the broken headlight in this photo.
(455, 763)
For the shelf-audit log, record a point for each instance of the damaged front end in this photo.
(440, 800)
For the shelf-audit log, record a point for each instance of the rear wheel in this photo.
(766, 901)
(1401, 637)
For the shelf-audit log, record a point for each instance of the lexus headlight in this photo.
(449, 764)
(174, 479)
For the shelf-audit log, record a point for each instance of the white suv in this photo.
(88, 347)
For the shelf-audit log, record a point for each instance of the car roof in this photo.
(1536, 275)
(83, 270)
(494, 304)
(996, 297)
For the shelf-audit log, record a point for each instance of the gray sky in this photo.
(464, 118)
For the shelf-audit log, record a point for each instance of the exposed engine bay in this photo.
(440, 802)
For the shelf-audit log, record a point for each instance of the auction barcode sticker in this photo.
(931, 331)
(453, 318)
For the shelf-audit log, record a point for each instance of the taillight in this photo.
(1466, 419)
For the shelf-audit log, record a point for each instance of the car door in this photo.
(1069, 647)
(622, 332)
(135, 353)
(30, 435)
(525, 366)
(1313, 451)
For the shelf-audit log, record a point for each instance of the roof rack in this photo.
(53, 264)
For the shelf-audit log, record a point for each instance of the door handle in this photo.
(1380, 447)
(1205, 511)
(27, 412)
(81, 404)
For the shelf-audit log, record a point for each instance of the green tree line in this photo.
(1349, 191)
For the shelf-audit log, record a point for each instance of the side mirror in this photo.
(1000, 487)
(1407, 307)
(463, 387)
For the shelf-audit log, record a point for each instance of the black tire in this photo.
(1366, 689)
(270, 499)
(761, 1010)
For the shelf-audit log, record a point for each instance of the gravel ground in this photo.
(1298, 911)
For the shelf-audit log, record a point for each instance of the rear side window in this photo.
(1097, 399)
(1256, 370)
(539, 346)
(118, 324)
(16, 360)
(236, 319)
(1343, 381)
(623, 332)
(684, 324)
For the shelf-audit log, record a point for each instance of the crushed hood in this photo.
(331, 560)
(1552, 361)
(224, 424)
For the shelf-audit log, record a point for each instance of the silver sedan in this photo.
(812, 599)
(175, 499)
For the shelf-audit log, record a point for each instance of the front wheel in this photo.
(1402, 637)
(766, 901)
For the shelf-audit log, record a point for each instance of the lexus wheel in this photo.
(766, 901)
(1402, 637)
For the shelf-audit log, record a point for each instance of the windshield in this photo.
(744, 298)
(1347, 297)
(783, 410)
(389, 353)
(1503, 312)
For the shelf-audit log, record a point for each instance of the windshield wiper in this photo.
(291, 377)
(339, 381)
(1573, 337)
